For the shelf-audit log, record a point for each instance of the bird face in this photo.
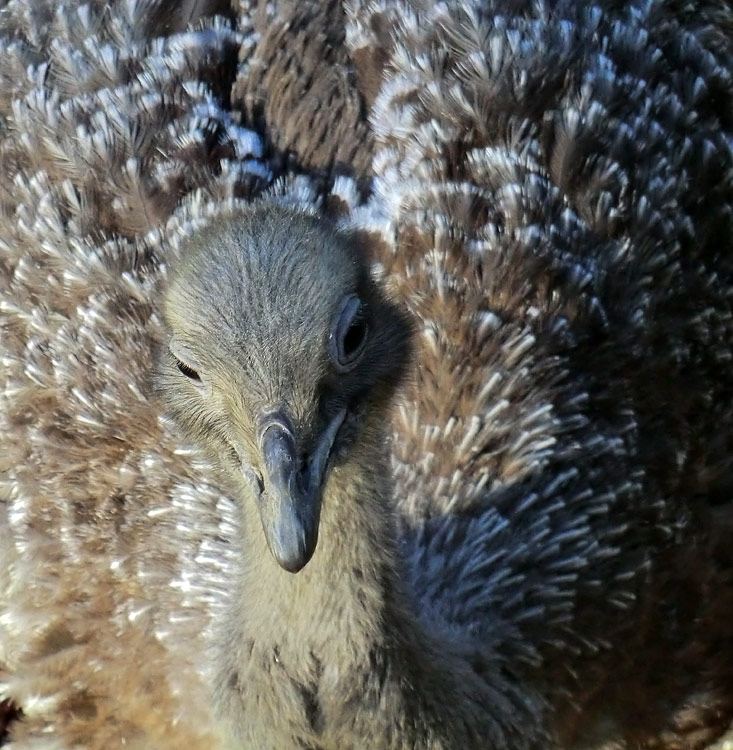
(279, 348)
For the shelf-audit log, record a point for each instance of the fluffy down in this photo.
(548, 190)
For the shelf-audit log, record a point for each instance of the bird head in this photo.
(279, 347)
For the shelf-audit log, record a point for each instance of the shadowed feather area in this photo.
(546, 189)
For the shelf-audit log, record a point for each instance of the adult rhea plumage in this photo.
(552, 202)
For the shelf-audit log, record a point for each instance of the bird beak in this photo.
(290, 504)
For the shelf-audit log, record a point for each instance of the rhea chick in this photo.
(281, 360)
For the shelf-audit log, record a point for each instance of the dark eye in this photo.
(189, 372)
(348, 339)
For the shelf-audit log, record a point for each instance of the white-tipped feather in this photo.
(548, 191)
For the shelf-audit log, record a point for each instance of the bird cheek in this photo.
(253, 480)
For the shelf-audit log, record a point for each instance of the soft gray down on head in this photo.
(280, 347)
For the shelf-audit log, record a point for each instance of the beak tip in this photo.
(292, 555)
(294, 565)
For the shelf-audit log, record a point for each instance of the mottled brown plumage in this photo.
(316, 122)
(546, 189)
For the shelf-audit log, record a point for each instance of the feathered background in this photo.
(549, 189)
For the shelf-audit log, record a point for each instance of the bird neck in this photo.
(340, 652)
(351, 585)
(343, 629)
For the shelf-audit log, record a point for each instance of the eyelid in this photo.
(183, 354)
(186, 361)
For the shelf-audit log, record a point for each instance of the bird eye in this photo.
(189, 372)
(348, 339)
(182, 356)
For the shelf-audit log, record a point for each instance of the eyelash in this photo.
(189, 372)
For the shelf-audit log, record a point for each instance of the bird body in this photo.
(430, 445)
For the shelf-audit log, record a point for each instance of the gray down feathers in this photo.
(547, 187)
